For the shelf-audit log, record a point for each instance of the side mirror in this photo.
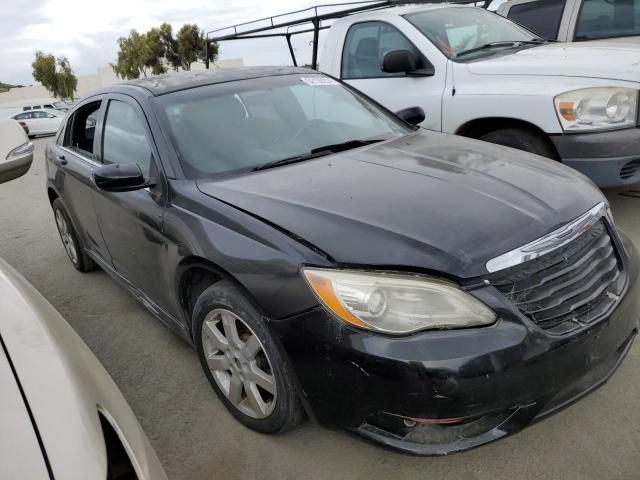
(405, 61)
(412, 115)
(17, 163)
(118, 177)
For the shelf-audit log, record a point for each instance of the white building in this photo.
(13, 100)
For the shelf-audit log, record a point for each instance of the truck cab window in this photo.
(541, 16)
(365, 45)
(608, 19)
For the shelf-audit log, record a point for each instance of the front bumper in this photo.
(440, 392)
(610, 159)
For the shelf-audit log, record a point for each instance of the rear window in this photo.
(608, 19)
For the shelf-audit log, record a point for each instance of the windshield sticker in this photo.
(318, 81)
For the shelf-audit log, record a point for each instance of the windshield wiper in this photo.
(289, 160)
(504, 43)
(348, 145)
(317, 152)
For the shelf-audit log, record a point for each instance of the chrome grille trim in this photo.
(550, 242)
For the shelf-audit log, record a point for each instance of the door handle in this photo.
(60, 160)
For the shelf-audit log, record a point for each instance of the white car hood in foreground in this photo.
(65, 386)
(616, 60)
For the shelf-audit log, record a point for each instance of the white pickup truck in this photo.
(576, 20)
(477, 74)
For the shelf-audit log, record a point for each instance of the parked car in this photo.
(479, 75)
(578, 20)
(61, 106)
(40, 122)
(61, 415)
(16, 152)
(427, 291)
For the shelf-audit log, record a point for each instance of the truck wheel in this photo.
(522, 139)
(243, 362)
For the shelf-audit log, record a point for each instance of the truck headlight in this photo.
(598, 108)
(396, 303)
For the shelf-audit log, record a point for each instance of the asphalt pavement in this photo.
(597, 438)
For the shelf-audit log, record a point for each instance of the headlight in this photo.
(395, 303)
(23, 149)
(597, 108)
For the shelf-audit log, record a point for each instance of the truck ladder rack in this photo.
(311, 19)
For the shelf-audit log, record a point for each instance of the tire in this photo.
(75, 251)
(219, 311)
(521, 139)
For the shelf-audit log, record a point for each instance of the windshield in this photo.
(238, 126)
(608, 19)
(457, 29)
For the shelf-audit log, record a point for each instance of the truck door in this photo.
(364, 47)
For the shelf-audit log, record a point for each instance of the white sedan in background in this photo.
(40, 122)
(61, 414)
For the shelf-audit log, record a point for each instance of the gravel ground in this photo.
(597, 438)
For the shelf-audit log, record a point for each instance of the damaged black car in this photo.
(327, 258)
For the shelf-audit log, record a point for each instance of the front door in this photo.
(364, 47)
(131, 222)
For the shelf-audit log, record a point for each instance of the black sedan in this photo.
(325, 256)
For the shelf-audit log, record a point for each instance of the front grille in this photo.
(630, 169)
(570, 288)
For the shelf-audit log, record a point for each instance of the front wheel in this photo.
(243, 362)
(521, 139)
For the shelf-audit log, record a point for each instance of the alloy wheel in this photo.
(239, 364)
(65, 235)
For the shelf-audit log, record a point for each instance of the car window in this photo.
(608, 19)
(26, 108)
(81, 127)
(234, 127)
(24, 116)
(40, 115)
(456, 29)
(542, 16)
(366, 44)
(125, 140)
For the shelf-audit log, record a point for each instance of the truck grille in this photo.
(570, 288)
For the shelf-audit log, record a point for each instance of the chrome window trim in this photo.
(550, 242)
(81, 156)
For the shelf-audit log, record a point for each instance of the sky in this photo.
(86, 31)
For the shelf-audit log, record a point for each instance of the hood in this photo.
(579, 59)
(429, 201)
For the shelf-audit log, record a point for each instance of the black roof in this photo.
(161, 84)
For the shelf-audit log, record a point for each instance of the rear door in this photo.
(131, 222)
(364, 47)
(74, 159)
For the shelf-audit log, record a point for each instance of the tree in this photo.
(169, 45)
(55, 75)
(191, 45)
(134, 56)
(156, 52)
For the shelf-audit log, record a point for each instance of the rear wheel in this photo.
(80, 260)
(521, 139)
(242, 361)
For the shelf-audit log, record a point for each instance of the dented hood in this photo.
(610, 59)
(428, 201)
